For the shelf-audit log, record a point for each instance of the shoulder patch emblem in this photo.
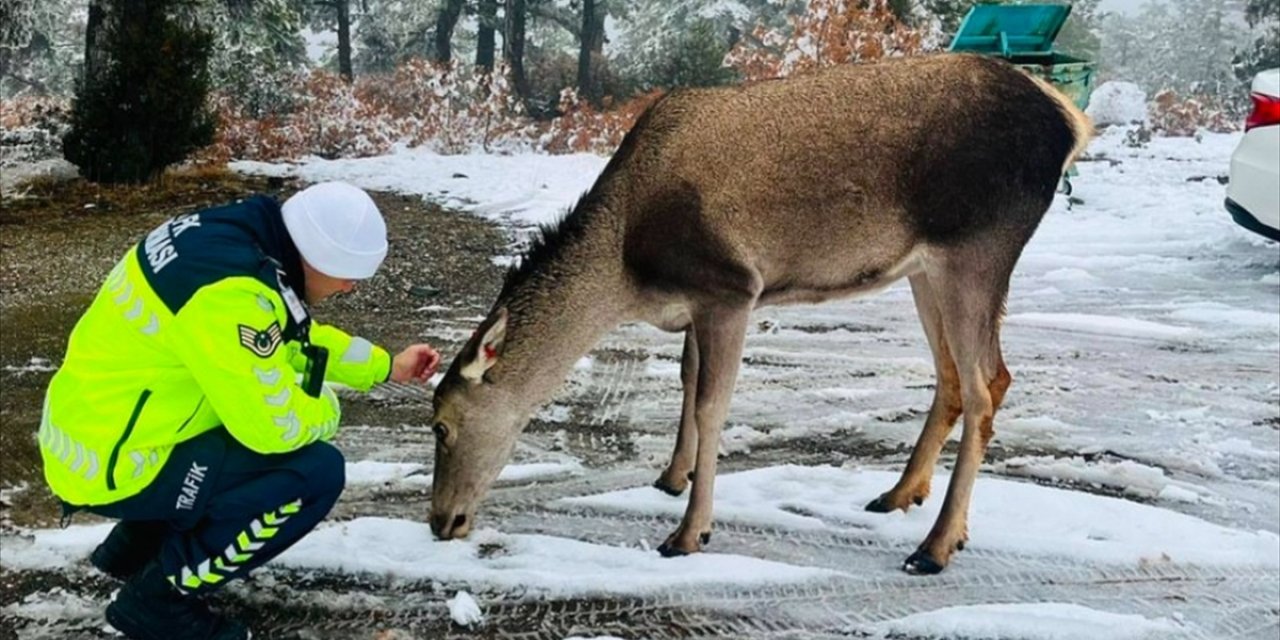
(261, 343)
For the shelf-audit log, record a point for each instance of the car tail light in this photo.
(1266, 112)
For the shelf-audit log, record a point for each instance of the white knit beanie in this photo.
(337, 229)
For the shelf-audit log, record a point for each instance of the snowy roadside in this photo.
(1144, 338)
(517, 190)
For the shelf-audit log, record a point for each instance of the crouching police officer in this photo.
(179, 409)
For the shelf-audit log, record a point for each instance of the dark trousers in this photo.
(229, 509)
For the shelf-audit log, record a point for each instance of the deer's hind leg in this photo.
(680, 470)
(971, 281)
(914, 485)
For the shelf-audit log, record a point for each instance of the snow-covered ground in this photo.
(1133, 489)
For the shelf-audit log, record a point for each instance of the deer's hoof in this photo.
(888, 503)
(661, 485)
(675, 547)
(669, 550)
(921, 563)
(673, 483)
(881, 505)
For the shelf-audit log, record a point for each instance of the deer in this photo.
(720, 201)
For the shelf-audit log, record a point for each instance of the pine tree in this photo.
(1188, 47)
(697, 59)
(258, 49)
(1211, 35)
(1081, 35)
(684, 42)
(393, 31)
(143, 108)
(1262, 51)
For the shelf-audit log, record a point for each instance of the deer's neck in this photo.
(561, 310)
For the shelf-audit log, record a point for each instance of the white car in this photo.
(1253, 195)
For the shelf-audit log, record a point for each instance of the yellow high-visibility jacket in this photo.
(192, 330)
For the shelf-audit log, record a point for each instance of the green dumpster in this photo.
(1023, 34)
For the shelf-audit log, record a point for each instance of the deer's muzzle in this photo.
(448, 526)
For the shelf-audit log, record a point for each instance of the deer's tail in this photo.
(1081, 125)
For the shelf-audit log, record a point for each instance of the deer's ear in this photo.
(485, 352)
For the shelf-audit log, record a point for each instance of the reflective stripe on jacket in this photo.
(191, 330)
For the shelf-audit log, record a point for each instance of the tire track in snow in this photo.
(291, 605)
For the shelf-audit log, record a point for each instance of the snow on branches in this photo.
(1174, 116)
(445, 107)
(31, 128)
(448, 108)
(827, 33)
(581, 128)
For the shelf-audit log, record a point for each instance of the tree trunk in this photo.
(513, 45)
(446, 20)
(902, 10)
(344, 39)
(485, 38)
(94, 40)
(591, 52)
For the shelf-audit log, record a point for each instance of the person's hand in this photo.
(417, 362)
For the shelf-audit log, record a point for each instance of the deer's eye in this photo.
(440, 430)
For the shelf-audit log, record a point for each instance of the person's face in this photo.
(320, 286)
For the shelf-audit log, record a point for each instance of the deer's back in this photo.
(828, 179)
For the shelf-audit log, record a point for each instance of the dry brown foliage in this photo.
(828, 33)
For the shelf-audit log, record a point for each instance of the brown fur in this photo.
(720, 201)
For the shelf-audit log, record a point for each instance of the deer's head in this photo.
(477, 418)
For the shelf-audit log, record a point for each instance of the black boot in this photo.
(149, 608)
(129, 547)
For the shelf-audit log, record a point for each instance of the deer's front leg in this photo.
(720, 334)
(677, 475)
